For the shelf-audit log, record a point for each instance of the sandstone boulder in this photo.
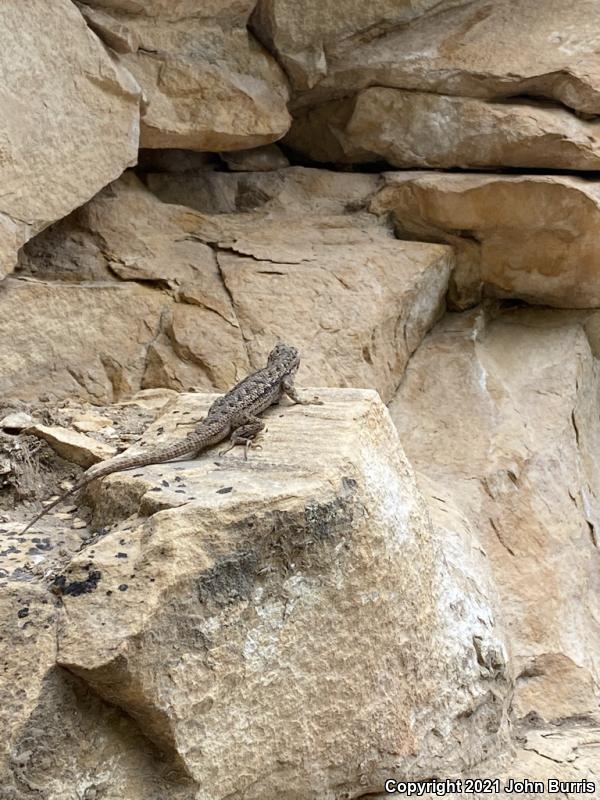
(123, 299)
(207, 83)
(64, 137)
(73, 446)
(499, 416)
(136, 293)
(307, 38)
(528, 236)
(226, 624)
(478, 49)
(313, 269)
(423, 129)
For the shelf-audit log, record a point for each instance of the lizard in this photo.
(234, 414)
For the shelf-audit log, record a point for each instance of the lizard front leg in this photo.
(246, 429)
(288, 388)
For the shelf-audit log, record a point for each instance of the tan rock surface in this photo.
(221, 287)
(64, 137)
(307, 37)
(532, 236)
(418, 129)
(208, 85)
(73, 446)
(500, 416)
(308, 269)
(480, 49)
(106, 338)
(228, 625)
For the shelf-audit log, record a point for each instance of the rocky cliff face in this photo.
(402, 583)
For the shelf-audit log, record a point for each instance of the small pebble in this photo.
(79, 523)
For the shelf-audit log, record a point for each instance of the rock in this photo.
(499, 416)
(226, 625)
(260, 159)
(153, 399)
(478, 49)
(117, 35)
(42, 708)
(76, 341)
(306, 43)
(73, 446)
(418, 129)
(16, 421)
(109, 336)
(547, 755)
(309, 267)
(207, 83)
(531, 236)
(88, 423)
(220, 288)
(56, 147)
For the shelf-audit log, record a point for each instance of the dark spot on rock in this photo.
(109, 592)
(23, 612)
(225, 490)
(179, 491)
(10, 549)
(349, 484)
(152, 580)
(178, 478)
(121, 555)
(165, 483)
(123, 587)
(138, 474)
(230, 580)
(76, 588)
(156, 489)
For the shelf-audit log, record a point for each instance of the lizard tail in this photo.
(109, 467)
(58, 500)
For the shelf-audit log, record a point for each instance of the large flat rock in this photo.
(533, 237)
(478, 49)
(425, 129)
(64, 137)
(289, 618)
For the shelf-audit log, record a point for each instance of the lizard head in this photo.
(285, 354)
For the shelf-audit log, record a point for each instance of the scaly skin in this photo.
(235, 414)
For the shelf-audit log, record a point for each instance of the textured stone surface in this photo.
(123, 299)
(308, 37)
(419, 129)
(480, 49)
(207, 83)
(306, 267)
(62, 137)
(531, 236)
(228, 627)
(500, 417)
(216, 289)
(73, 446)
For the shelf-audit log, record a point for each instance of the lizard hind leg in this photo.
(245, 434)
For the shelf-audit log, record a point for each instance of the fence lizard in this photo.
(235, 414)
